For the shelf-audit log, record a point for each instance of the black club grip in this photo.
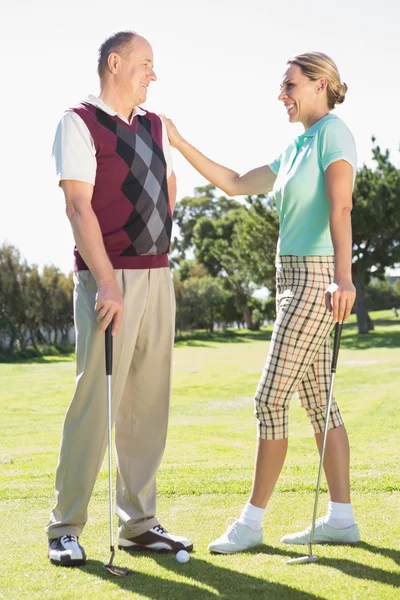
(336, 345)
(109, 350)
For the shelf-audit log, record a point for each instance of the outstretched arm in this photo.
(256, 181)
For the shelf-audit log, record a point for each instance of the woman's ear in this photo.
(322, 84)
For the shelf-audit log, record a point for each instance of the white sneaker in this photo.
(237, 538)
(324, 534)
(66, 551)
(157, 538)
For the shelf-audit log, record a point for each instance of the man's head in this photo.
(126, 64)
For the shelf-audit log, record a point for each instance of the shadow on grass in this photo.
(225, 583)
(41, 360)
(204, 339)
(374, 339)
(31, 356)
(389, 552)
(347, 566)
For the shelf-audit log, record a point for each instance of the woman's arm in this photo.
(339, 186)
(257, 181)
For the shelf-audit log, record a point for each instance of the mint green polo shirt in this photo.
(300, 191)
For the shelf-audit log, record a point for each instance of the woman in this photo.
(312, 181)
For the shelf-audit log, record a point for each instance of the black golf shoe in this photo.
(157, 539)
(66, 551)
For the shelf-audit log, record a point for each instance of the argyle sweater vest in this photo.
(130, 197)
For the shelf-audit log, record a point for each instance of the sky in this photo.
(219, 65)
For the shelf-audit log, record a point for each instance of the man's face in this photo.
(135, 70)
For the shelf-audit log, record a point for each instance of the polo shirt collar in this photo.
(95, 101)
(311, 131)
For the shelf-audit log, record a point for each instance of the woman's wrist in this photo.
(340, 277)
(181, 143)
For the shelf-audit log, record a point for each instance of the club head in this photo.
(117, 571)
(301, 560)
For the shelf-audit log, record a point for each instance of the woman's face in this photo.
(302, 97)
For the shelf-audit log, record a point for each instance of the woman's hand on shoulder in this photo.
(339, 298)
(173, 134)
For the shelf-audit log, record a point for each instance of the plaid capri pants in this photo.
(299, 357)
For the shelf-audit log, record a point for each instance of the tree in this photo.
(32, 304)
(255, 241)
(231, 240)
(376, 226)
(11, 299)
(200, 298)
(57, 303)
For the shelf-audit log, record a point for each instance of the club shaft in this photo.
(109, 431)
(336, 344)
(321, 462)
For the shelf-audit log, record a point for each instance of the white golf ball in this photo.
(182, 556)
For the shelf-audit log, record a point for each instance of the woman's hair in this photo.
(315, 65)
(115, 43)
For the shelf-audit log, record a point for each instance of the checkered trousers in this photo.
(299, 358)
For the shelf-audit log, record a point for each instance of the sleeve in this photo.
(275, 165)
(74, 152)
(166, 148)
(337, 143)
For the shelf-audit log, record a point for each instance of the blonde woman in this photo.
(312, 181)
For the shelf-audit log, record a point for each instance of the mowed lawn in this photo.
(205, 477)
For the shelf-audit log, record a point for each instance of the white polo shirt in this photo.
(74, 151)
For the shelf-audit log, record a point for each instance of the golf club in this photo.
(311, 558)
(118, 571)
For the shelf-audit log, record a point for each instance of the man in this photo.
(113, 163)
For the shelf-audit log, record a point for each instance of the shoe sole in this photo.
(139, 548)
(68, 562)
(226, 551)
(232, 551)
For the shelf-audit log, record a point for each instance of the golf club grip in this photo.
(336, 345)
(109, 350)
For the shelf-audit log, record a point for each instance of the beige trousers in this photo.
(141, 384)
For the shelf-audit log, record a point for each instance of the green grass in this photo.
(206, 476)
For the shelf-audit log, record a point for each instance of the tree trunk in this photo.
(361, 308)
(33, 341)
(11, 342)
(247, 316)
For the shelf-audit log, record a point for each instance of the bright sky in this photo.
(219, 65)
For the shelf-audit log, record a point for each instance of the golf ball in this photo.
(182, 556)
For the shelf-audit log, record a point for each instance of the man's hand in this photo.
(339, 298)
(109, 306)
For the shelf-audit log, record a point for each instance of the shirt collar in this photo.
(311, 131)
(95, 101)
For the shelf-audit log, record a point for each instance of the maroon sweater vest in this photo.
(130, 197)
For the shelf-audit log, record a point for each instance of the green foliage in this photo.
(34, 308)
(376, 216)
(235, 242)
(376, 226)
(381, 296)
(255, 241)
(200, 303)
